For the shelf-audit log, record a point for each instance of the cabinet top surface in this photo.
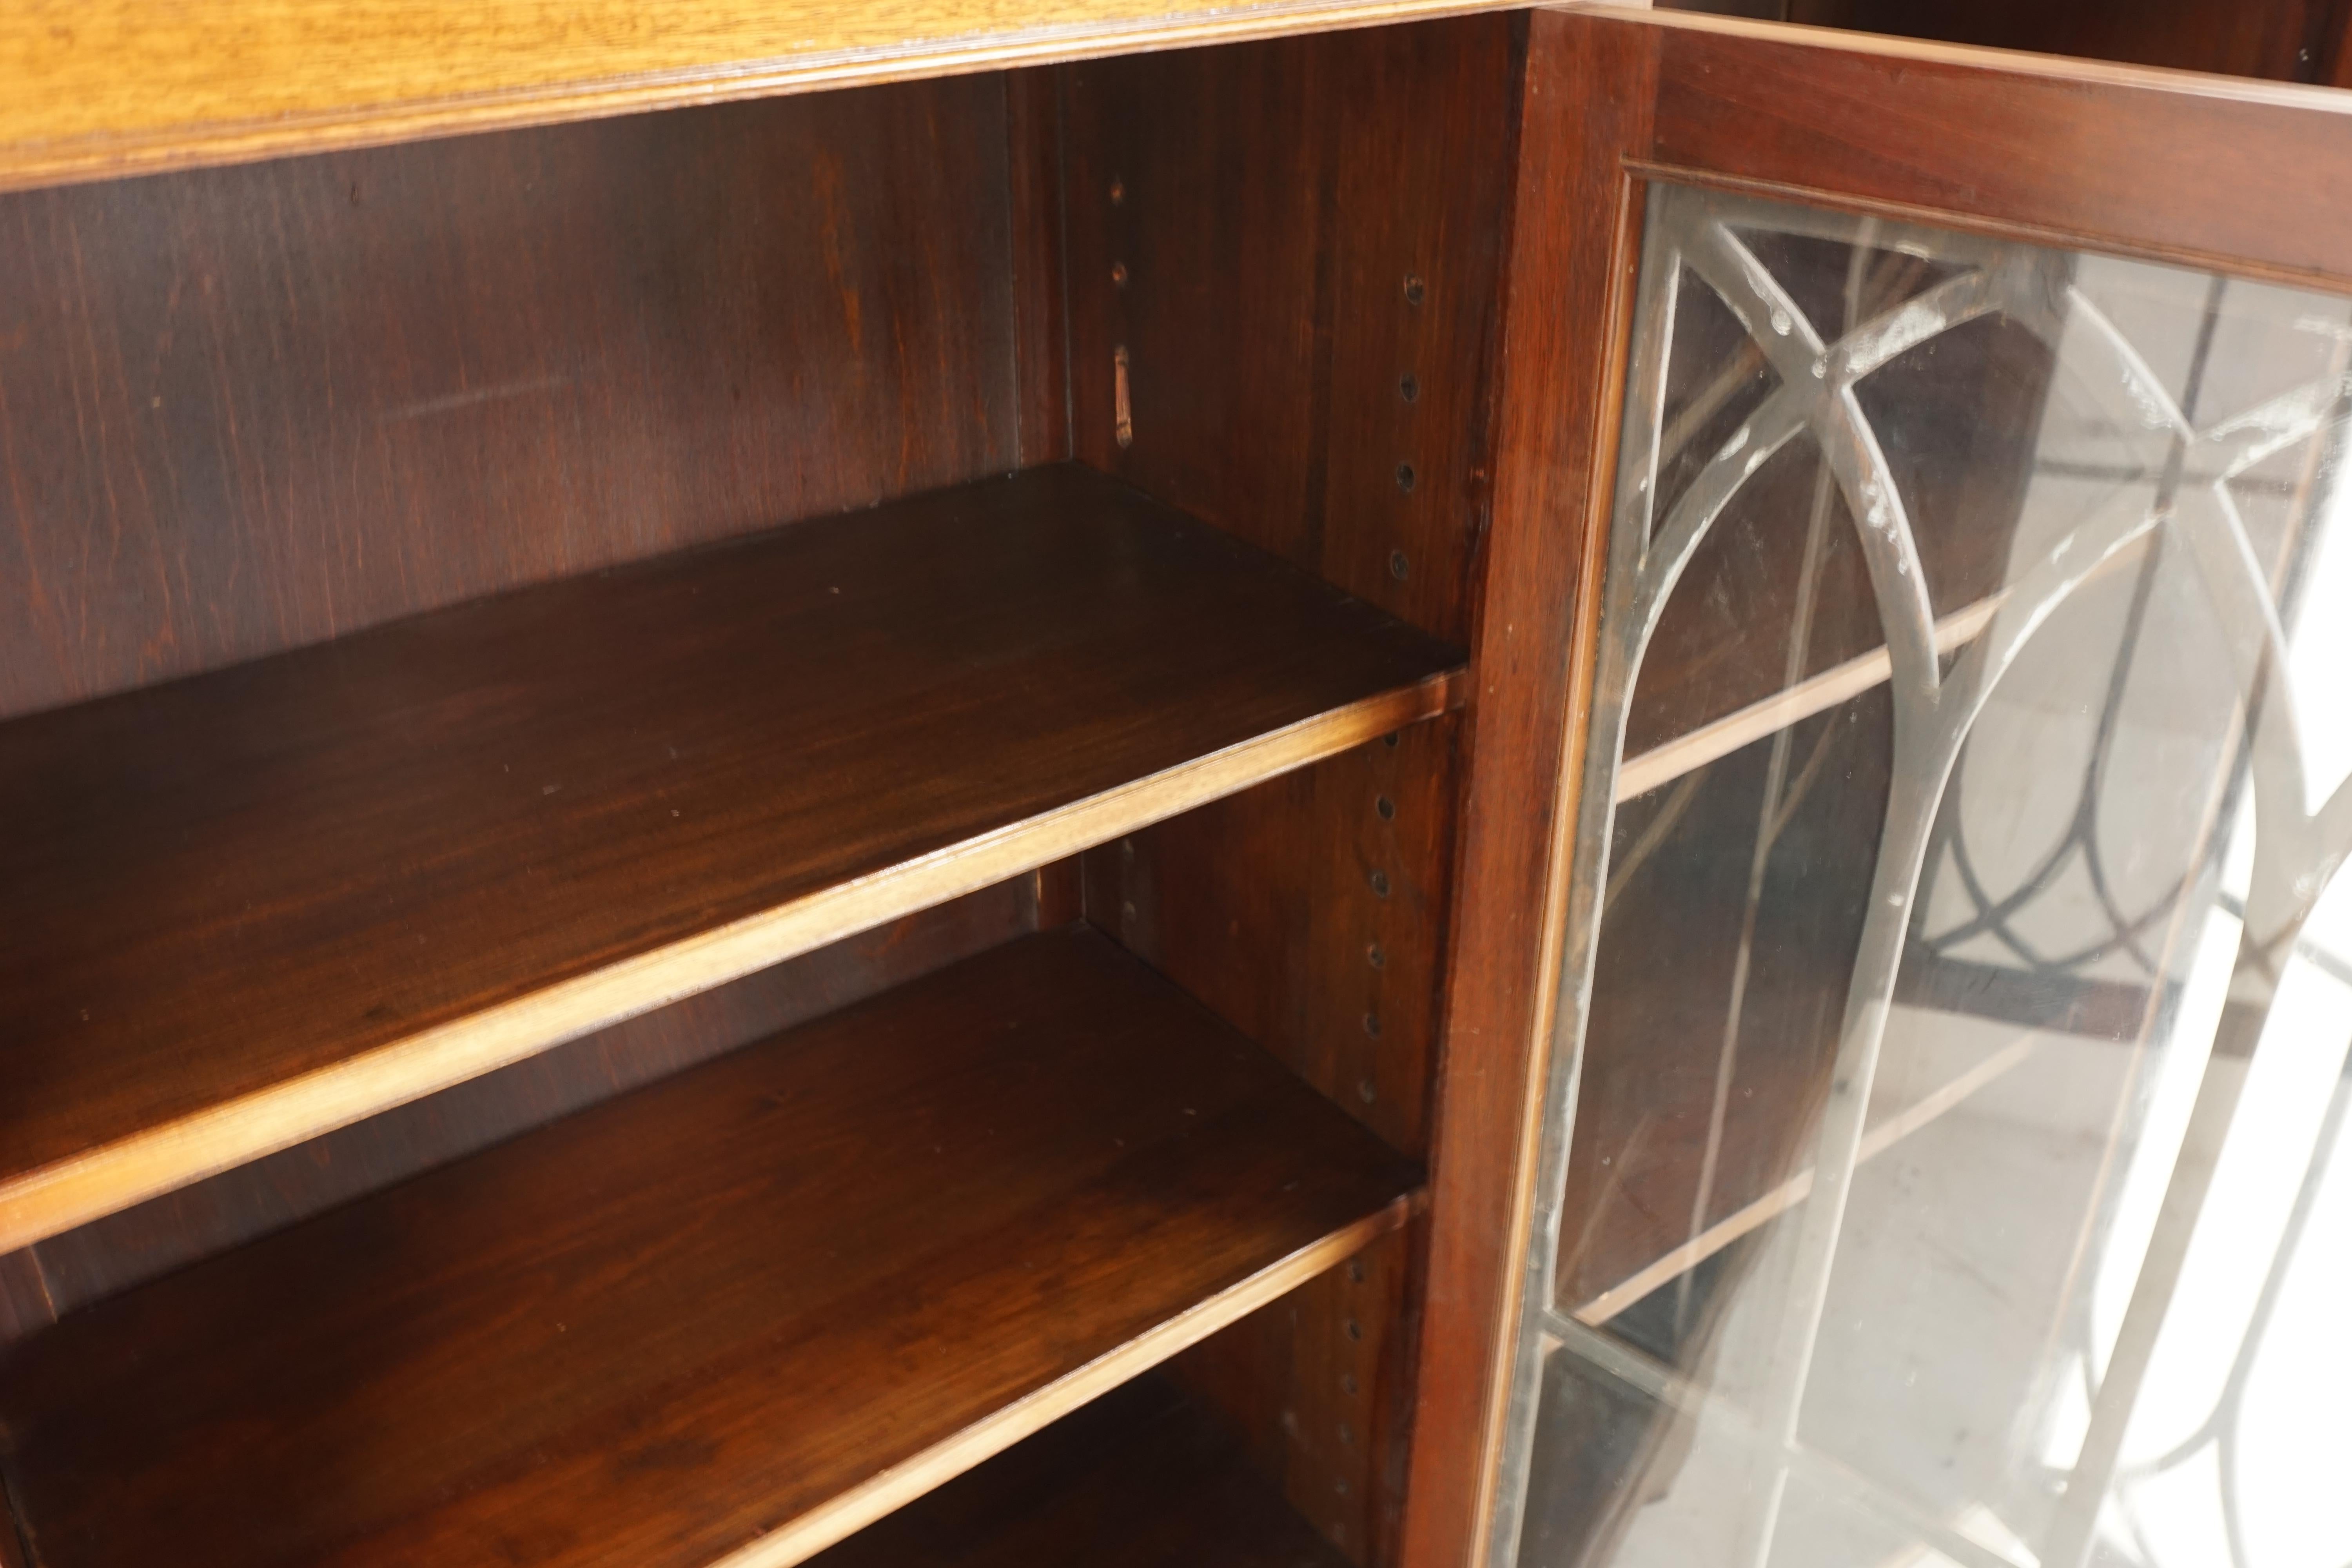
(104, 87)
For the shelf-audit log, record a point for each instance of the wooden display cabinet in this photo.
(839, 828)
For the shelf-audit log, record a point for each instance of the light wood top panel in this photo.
(239, 910)
(728, 1318)
(98, 88)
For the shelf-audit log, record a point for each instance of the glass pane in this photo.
(1941, 1162)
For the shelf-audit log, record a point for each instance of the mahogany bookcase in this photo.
(744, 824)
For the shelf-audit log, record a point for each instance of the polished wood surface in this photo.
(1298, 243)
(1574, 242)
(101, 88)
(2109, 158)
(2135, 161)
(1143, 1477)
(1041, 316)
(278, 898)
(243, 410)
(12, 1549)
(732, 1317)
(90, 1262)
(24, 1300)
(1358, 182)
(2283, 40)
(250, 409)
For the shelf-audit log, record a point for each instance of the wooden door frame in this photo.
(2247, 178)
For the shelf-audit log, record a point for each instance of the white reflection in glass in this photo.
(2052, 1263)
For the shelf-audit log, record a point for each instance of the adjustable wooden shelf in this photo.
(282, 897)
(730, 1317)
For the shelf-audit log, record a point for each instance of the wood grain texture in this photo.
(1143, 1477)
(244, 410)
(12, 1544)
(2281, 41)
(1357, 183)
(1575, 233)
(1303, 260)
(1267, 907)
(25, 1302)
(732, 1317)
(112, 1253)
(2136, 161)
(287, 895)
(118, 87)
(1041, 314)
(1310, 917)
(1323, 1412)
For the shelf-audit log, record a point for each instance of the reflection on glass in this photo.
(1942, 1163)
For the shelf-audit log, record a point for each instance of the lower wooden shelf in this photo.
(1140, 1479)
(732, 1318)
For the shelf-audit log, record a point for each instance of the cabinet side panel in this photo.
(1284, 261)
(244, 409)
(1296, 246)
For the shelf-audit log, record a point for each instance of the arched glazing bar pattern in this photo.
(2175, 440)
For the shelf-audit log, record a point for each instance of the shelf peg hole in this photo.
(1405, 477)
(1379, 884)
(1117, 190)
(1365, 1091)
(1385, 806)
(1414, 290)
(1373, 1025)
(1375, 957)
(1410, 387)
(1119, 274)
(1398, 565)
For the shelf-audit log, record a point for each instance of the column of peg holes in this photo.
(1310, 912)
(1292, 251)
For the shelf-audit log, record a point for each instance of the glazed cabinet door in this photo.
(1944, 987)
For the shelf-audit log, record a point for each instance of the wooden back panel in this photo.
(249, 408)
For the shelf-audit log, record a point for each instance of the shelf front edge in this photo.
(853, 1510)
(71, 1192)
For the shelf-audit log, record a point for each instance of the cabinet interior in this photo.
(740, 823)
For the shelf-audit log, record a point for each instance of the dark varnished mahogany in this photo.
(668, 1327)
(246, 409)
(279, 867)
(139, 1243)
(1300, 247)
(2147, 162)
(1143, 1477)
(2140, 162)
(1574, 232)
